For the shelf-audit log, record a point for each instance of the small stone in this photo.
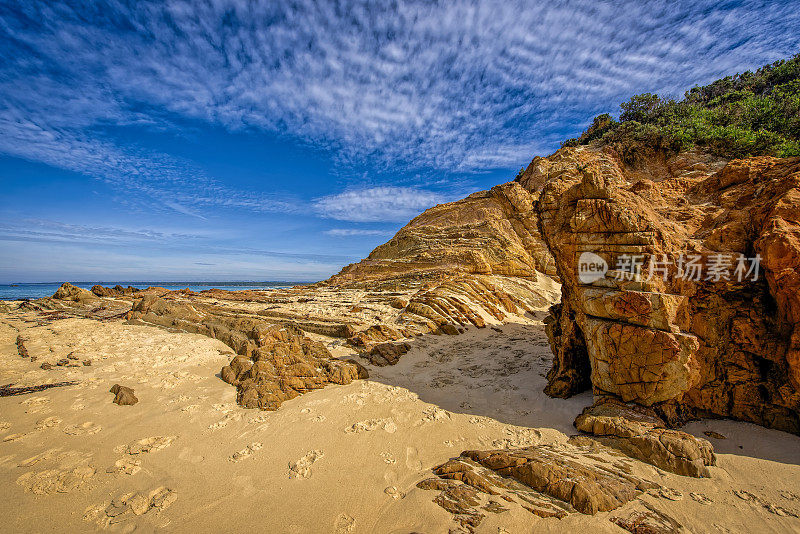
(87, 363)
(715, 435)
(62, 362)
(123, 395)
(46, 366)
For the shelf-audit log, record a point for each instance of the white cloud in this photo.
(349, 232)
(461, 85)
(377, 204)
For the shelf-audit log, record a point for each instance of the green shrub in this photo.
(749, 114)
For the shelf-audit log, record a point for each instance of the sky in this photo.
(270, 140)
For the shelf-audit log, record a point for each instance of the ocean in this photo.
(35, 291)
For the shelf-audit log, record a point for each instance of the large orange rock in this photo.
(717, 345)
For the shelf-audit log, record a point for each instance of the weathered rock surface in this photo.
(489, 232)
(116, 291)
(546, 480)
(641, 434)
(274, 362)
(123, 395)
(714, 346)
(387, 353)
(647, 520)
(73, 293)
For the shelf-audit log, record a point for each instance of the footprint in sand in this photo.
(745, 495)
(258, 419)
(37, 404)
(667, 493)
(372, 424)
(245, 453)
(412, 459)
(394, 493)
(55, 480)
(15, 437)
(126, 466)
(145, 445)
(302, 467)
(222, 423)
(63, 459)
(344, 524)
(318, 419)
(84, 429)
(433, 414)
(4, 425)
(388, 458)
(188, 456)
(778, 510)
(190, 408)
(699, 497)
(130, 505)
(768, 506)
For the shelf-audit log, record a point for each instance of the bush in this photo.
(751, 113)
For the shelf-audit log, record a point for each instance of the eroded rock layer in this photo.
(274, 363)
(724, 345)
(545, 480)
(489, 232)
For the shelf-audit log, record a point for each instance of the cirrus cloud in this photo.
(377, 204)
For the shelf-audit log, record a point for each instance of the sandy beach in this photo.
(187, 458)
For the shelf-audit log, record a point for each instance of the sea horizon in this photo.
(35, 290)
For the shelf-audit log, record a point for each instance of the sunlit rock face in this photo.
(681, 321)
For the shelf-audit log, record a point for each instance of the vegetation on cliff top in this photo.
(749, 114)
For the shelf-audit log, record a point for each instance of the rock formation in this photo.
(545, 480)
(123, 395)
(720, 345)
(275, 362)
(489, 232)
(639, 433)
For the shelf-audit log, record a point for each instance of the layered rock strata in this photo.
(546, 480)
(720, 345)
(274, 362)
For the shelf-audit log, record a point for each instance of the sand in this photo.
(343, 459)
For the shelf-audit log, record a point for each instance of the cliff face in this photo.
(693, 330)
(468, 262)
(489, 232)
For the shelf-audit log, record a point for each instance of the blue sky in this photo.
(247, 140)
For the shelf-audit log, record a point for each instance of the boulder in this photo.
(639, 433)
(123, 395)
(73, 293)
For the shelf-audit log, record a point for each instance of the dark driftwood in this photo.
(8, 391)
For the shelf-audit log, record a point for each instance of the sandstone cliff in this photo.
(720, 345)
(489, 232)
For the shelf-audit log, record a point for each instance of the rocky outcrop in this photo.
(73, 293)
(469, 263)
(724, 344)
(489, 232)
(639, 433)
(116, 291)
(274, 362)
(545, 480)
